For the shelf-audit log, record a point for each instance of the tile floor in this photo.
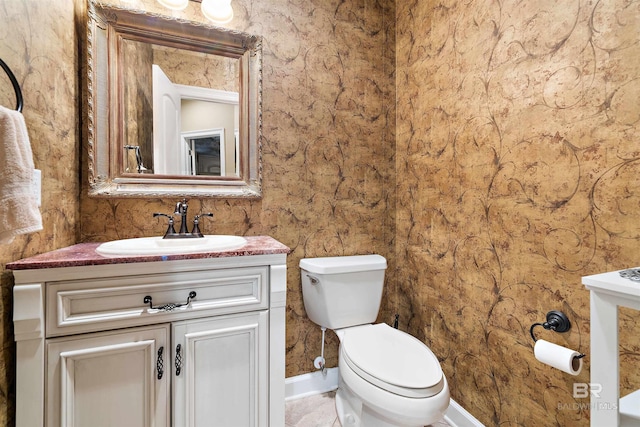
(318, 411)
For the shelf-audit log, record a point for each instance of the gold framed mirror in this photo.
(173, 106)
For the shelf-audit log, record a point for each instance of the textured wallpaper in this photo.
(328, 147)
(37, 41)
(518, 138)
(493, 166)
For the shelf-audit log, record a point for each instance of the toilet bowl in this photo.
(387, 378)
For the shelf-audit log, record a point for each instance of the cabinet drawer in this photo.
(78, 306)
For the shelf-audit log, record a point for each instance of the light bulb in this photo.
(174, 4)
(218, 11)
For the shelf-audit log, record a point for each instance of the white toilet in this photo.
(387, 377)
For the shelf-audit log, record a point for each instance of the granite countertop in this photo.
(84, 254)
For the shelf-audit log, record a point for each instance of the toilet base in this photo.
(360, 417)
(353, 412)
(348, 415)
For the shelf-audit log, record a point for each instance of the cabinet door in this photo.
(106, 379)
(220, 371)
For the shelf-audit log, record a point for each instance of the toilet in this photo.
(387, 378)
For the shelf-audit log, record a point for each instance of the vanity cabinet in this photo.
(224, 371)
(107, 379)
(170, 341)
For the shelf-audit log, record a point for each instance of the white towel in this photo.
(19, 213)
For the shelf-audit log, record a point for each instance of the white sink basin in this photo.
(159, 246)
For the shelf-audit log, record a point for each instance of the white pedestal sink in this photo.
(159, 246)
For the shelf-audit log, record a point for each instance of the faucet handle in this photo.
(196, 220)
(170, 229)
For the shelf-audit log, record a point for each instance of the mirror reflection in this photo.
(175, 109)
(186, 95)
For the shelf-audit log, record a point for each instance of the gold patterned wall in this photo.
(518, 154)
(515, 171)
(37, 41)
(137, 104)
(328, 147)
(328, 166)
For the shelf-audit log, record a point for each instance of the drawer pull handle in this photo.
(160, 363)
(171, 306)
(178, 359)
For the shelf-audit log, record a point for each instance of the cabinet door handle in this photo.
(178, 359)
(171, 306)
(160, 363)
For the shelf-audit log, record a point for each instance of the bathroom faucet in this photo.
(181, 209)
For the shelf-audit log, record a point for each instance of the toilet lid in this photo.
(392, 360)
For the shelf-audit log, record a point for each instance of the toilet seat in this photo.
(392, 360)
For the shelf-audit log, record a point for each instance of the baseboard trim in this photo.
(457, 416)
(316, 383)
(309, 384)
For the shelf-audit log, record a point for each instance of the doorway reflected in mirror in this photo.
(205, 154)
(184, 115)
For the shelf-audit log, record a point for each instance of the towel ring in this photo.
(14, 82)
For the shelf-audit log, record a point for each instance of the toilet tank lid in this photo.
(343, 264)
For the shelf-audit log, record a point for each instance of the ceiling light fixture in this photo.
(217, 11)
(174, 4)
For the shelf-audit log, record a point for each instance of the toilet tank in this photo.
(339, 292)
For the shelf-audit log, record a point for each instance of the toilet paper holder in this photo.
(556, 321)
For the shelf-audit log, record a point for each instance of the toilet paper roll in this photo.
(558, 357)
